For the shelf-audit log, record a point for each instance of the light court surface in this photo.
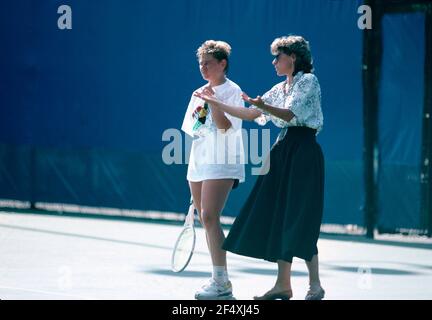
(54, 257)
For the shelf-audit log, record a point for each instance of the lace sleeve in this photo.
(304, 98)
(271, 97)
(275, 98)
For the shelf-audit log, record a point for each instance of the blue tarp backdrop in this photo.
(400, 119)
(82, 111)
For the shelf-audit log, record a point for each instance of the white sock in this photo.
(220, 274)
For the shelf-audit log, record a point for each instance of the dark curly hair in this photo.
(297, 45)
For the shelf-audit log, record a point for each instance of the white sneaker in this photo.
(215, 291)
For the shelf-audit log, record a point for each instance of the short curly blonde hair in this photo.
(220, 50)
(297, 45)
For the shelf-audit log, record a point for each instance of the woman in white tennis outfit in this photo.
(216, 159)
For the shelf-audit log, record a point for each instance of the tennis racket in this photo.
(185, 244)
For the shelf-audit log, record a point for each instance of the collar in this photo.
(221, 86)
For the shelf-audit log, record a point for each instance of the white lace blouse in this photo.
(303, 98)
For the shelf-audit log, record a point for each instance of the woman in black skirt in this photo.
(282, 216)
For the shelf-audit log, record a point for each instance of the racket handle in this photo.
(190, 218)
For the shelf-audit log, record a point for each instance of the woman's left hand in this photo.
(258, 102)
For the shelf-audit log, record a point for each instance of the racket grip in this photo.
(191, 215)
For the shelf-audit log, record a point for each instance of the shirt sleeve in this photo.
(303, 98)
(187, 125)
(264, 117)
(274, 99)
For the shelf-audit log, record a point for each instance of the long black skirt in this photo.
(282, 216)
